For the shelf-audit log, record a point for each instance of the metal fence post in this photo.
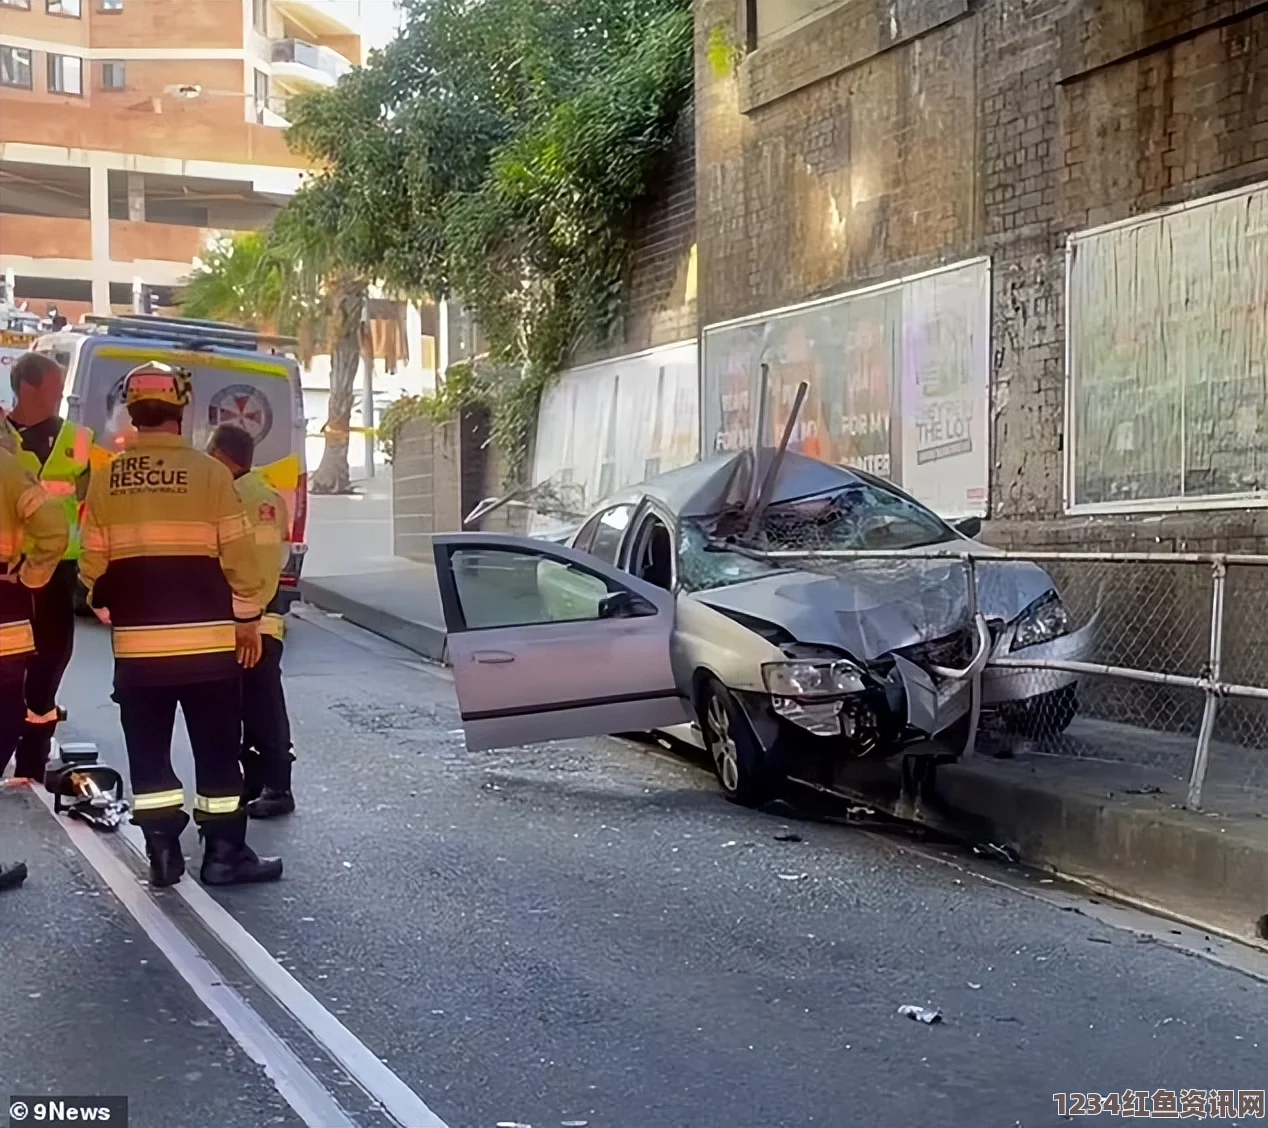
(975, 699)
(1202, 754)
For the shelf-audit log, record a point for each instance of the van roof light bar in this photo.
(188, 331)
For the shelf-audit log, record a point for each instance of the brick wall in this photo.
(659, 294)
(440, 473)
(883, 138)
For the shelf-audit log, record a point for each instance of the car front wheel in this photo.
(738, 757)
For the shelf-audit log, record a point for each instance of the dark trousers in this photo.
(12, 708)
(53, 621)
(266, 727)
(213, 718)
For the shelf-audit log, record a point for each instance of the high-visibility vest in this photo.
(60, 474)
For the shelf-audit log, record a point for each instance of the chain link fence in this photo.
(1154, 660)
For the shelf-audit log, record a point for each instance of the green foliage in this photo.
(461, 388)
(238, 280)
(497, 150)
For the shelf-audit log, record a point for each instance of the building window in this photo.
(114, 76)
(15, 4)
(1168, 359)
(73, 8)
(261, 95)
(15, 67)
(110, 5)
(769, 19)
(65, 74)
(260, 15)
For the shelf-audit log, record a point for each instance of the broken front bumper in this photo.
(1003, 686)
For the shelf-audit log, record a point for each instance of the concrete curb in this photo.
(426, 639)
(1206, 871)
(1203, 870)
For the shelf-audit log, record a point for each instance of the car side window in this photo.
(609, 533)
(585, 535)
(505, 588)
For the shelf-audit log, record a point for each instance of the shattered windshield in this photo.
(701, 569)
(859, 517)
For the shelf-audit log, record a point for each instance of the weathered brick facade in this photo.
(659, 297)
(884, 138)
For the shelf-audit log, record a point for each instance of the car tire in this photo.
(1049, 714)
(739, 760)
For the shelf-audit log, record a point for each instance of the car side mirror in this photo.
(969, 527)
(624, 605)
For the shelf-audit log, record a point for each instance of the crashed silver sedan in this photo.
(706, 603)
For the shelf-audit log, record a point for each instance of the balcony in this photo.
(138, 240)
(323, 17)
(45, 237)
(299, 65)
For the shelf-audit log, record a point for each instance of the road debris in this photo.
(792, 876)
(1150, 789)
(927, 1015)
(975, 986)
(1000, 852)
(787, 836)
(11, 876)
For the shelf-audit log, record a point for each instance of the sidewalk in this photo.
(1114, 825)
(91, 1006)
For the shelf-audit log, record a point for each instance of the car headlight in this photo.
(812, 679)
(1042, 621)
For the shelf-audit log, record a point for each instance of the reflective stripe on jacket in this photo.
(33, 536)
(60, 475)
(270, 523)
(168, 552)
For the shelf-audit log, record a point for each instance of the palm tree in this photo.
(289, 280)
(238, 280)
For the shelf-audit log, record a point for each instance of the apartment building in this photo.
(132, 132)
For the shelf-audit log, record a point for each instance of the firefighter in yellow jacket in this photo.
(266, 728)
(33, 537)
(56, 451)
(170, 564)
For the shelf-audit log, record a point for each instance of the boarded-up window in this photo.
(606, 426)
(1168, 349)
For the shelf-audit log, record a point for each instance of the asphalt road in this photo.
(587, 932)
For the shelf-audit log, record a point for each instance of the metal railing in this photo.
(324, 59)
(1147, 634)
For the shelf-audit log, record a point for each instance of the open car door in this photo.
(548, 643)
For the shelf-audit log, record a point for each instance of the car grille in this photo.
(955, 650)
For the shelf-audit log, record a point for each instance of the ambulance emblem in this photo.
(242, 406)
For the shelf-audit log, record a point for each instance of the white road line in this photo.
(398, 1100)
(292, 1078)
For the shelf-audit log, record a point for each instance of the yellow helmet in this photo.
(156, 382)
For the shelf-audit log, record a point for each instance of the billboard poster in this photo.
(603, 427)
(898, 383)
(945, 346)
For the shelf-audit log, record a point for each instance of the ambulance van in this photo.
(238, 377)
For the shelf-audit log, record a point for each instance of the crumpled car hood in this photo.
(869, 608)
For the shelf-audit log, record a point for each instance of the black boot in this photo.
(252, 775)
(228, 860)
(271, 804)
(167, 861)
(34, 746)
(163, 847)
